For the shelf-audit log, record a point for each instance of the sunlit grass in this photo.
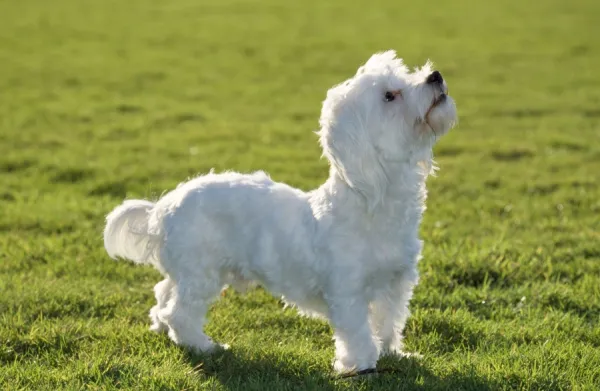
(102, 100)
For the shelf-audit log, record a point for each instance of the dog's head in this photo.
(381, 118)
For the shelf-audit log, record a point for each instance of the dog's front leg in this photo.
(355, 349)
(389, 312)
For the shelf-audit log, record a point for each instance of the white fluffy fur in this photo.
(347, 251)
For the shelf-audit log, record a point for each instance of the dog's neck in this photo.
(406, 184)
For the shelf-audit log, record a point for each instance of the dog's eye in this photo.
(389, 96)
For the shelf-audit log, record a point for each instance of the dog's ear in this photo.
(351, 153)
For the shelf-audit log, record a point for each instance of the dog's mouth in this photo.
(437, 100)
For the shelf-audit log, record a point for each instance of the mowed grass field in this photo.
(102, 100)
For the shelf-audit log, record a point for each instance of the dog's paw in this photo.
(415, 355)
(159, 327)
(341, 366)
(209, 348)
(395, 348)
(392, 347)
(400, 354)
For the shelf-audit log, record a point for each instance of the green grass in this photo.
(105, 99)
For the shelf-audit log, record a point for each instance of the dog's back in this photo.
(249, 224)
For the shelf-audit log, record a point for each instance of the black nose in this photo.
(435, 77)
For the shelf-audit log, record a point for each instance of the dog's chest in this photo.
(385, 248)
(390, 239)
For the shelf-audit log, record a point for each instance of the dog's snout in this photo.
(435, 78)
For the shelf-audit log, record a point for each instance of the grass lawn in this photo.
(106, 99)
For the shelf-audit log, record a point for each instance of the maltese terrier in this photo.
(346, 252)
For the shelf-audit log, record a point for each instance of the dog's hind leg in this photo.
(162, 292)
(186, 310)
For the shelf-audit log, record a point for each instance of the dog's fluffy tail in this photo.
(127, 233)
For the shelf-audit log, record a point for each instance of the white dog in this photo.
(347, 251)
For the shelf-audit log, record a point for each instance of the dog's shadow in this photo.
(240, 370)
